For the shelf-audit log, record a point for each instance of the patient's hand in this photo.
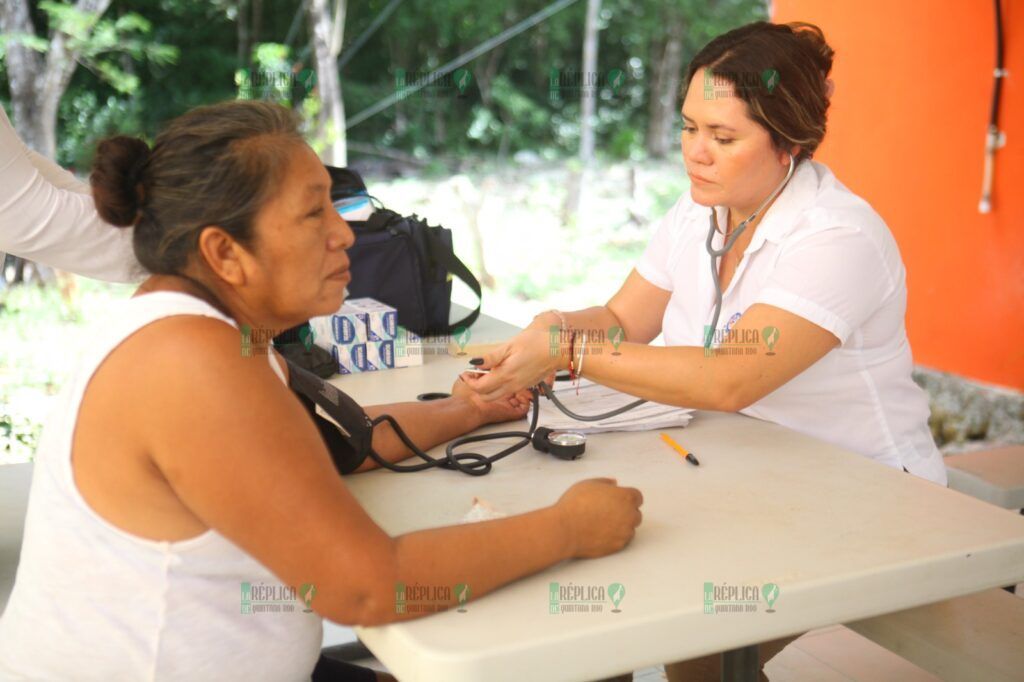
(511, 407)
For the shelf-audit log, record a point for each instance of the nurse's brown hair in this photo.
(780, 71)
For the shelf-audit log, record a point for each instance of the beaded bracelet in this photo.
(561, 317)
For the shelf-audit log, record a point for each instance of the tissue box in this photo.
(351, 358)
(381, 319)
(380, 355)
(364, 336)
(405, 350)
(408, 349)
(344, 327)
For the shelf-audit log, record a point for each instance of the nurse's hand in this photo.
(521, 362)
(510, 408)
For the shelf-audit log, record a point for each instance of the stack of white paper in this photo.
(596, 399)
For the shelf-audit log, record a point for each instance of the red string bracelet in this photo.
(572, 366)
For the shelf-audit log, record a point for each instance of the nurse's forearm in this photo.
(677, 375)
(748, 364)
(597, 317)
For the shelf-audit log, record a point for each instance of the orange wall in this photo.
(906, 132)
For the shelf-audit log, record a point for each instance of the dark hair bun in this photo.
(116, 178)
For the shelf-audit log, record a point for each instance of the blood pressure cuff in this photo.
(347, 430)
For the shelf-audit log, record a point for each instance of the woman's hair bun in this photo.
(813, 40)
(116, 179)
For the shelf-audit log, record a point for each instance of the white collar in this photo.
(780, 219)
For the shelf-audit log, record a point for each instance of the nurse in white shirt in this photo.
(811, 333)
(818, 265)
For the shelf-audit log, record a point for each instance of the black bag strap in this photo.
(447, 259)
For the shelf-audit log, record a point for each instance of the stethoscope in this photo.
(730, 240)
(563, 444)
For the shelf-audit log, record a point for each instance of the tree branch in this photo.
(338, 27)
(61, 60)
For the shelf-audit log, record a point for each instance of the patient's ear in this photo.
(224, 255)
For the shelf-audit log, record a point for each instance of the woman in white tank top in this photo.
(178, 482)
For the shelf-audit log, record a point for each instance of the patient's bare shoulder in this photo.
(118, 423)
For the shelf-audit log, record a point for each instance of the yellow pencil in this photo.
(680, 449)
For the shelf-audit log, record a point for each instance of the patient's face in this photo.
(299, 249)
(724, 146)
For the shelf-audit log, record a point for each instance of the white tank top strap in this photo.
(170, 303)
(275, 364)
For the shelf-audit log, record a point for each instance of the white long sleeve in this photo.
(48, 216)
(57, 176)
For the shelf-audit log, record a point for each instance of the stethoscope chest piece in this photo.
(561, 444)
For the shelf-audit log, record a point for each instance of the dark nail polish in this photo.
(476, 361)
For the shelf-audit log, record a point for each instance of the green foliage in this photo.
(147, 61)
(520, 116)
(30, 41)
(19, 436)
(102, 43)
(665, 192)
(86, 118)
(626, 143)
(42, 336)
(270, 77)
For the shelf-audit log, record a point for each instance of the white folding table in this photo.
(843, 538)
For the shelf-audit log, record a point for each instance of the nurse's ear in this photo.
(784, 156)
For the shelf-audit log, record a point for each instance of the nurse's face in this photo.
(729, 157)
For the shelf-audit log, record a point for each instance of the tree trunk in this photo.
(440, 128)
(485, 75)
(255, 22)
(589, 93)
(401, 121)
(473, 202)
(327, 33)
(242, 27)
(37, 82)
(24, 67)
(664, 96)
